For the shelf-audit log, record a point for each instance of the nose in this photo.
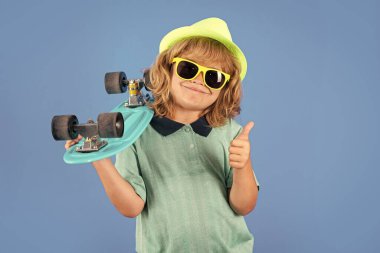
(198, 79)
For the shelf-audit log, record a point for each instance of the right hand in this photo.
(69, 143)
(98, 163)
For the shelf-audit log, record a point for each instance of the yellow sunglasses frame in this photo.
(202, 69)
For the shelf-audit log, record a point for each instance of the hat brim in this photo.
(187, 32)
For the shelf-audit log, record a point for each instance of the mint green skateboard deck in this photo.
(135, 121)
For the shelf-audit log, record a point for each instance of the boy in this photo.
(188, 178)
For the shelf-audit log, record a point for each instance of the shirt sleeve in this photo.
(235, 131)
(127, 165)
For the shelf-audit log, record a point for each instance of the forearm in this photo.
(243, 194)
(119, 191)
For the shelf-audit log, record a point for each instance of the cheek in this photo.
(214, 96)
(174, 83)
(175, 88)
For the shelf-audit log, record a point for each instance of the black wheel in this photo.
(147, 79)
(111, 125)
(62, 127)
(113, 82)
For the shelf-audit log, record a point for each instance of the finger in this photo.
(236, 150)
(239, 143)
(235, 158)
(239, 151)
(245, 132)
(78, 138)
(235, 164)
(68, 144)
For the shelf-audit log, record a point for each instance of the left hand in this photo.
(240, 148)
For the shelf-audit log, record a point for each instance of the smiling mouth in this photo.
(193, 89)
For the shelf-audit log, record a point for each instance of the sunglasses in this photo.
(189, 70)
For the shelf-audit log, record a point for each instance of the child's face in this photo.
(193, 94)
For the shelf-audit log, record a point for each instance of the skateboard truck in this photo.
(135, 96)
(110, 125)
(117, 82)
(91, 143)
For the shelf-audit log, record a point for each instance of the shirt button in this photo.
(191, 146)
(187, 129)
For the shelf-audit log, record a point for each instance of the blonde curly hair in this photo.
(227, 104)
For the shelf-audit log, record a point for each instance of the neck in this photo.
(185, 116)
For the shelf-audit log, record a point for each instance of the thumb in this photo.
(245, 132)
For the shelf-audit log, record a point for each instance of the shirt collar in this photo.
(166, 126)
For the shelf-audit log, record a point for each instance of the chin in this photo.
(192, 106)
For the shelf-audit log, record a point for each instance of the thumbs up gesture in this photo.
(240, 148)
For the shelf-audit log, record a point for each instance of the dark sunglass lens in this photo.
(214, 79)
(187, 69)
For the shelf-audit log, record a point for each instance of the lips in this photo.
(194, 89)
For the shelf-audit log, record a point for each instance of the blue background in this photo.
(312, 89)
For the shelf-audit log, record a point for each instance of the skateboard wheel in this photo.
(111, 125)
(62, 127)
(146, 79)
(114, 82)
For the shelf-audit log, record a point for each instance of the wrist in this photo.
(102, 163)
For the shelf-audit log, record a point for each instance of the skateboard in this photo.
(113, 131)
(135, 122)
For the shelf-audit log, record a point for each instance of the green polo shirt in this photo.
(182, 173)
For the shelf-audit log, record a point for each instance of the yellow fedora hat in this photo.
(214, 28)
